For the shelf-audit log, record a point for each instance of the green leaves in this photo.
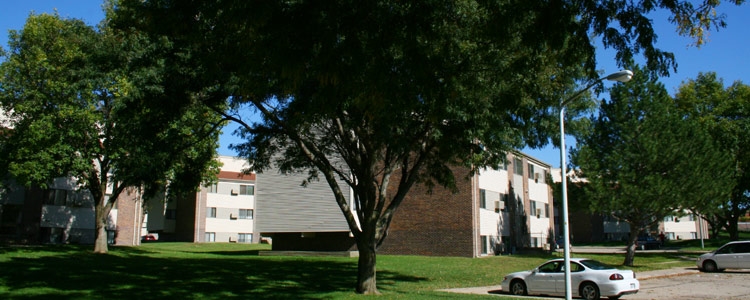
(725, 113)
(644, 159)
(83, 104)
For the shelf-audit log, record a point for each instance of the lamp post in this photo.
(621, 76)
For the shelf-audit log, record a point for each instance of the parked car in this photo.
(647, 243)
(559, 242)
(148, 238)
(589, 279)
(733, 255)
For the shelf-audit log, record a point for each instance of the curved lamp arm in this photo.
(621, 76)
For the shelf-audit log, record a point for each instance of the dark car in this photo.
(647, 243)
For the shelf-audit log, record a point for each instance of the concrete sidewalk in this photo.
(497, 289)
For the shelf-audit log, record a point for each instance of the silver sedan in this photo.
(589, 279)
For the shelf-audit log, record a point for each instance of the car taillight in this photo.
(616, 277)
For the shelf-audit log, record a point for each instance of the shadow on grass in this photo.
(80, 274)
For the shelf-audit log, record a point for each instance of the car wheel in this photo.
(590, 291)
(709, 266)
(518, 288)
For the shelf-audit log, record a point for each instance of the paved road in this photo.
(726, 285)
(677, 283)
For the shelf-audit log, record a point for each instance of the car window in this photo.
(595, 265)
(727, 249)
(550, 267)
(743, 248)
(575, 267)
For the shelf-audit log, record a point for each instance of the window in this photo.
(505, 198)
(170, 214)
(482, 198)
(245, 238)
(531, 170)
(532, 203)
(546, 210)
(210, 236)
(503, 165)
(214, 188)
(74, 199)
(246, 214)
(247, 189)
(56, 197)
(211, 212)
(518, 166)
(574, 267)
(540, 177)
(743, 247)
(485, 243)
(551, 267)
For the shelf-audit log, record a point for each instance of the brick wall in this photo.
(129, 214)
(437, 224)
(190, 218)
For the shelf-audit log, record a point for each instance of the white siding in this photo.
(495, 184)
(233, 164)
(286, 206)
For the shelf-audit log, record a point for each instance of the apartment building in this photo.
(220, 212)
(62, 214)
(493, 212)
(509, 208)
(586, 227)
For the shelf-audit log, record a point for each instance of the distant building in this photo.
(493, 212)
(586, 227)
(221, 212)
(61, 214)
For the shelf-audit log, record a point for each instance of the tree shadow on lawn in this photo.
(91, 276)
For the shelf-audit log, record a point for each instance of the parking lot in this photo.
(731, 284)
(678, 283)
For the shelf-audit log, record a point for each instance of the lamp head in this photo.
(621, 76)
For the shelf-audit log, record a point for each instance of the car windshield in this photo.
(595, 265)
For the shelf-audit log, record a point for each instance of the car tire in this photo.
(589, 291)
(709, 266)
(518, 288)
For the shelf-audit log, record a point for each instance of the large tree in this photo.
(77, 100)
(371, 91)
(644, 161)
(726, 114)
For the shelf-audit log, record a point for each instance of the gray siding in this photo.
(283, 205)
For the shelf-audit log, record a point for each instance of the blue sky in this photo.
(727, 52)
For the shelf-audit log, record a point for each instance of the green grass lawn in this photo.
(227, 271)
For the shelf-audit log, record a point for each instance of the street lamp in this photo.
(621, 76)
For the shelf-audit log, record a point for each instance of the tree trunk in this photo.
(102, 214)
(632, 244)
(733, 228)
(366, 275)
(715, 230)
